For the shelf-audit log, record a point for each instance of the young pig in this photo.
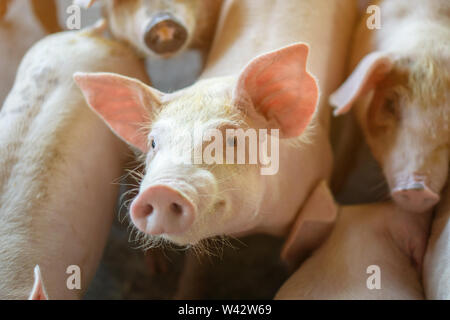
(365, 250)
(436, 271)
(185, 202)
(164, 27)
(58, 165)
(401, 93)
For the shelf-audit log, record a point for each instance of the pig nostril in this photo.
(148, 209)
(176, 208)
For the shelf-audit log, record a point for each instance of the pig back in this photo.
(58, 165)
(436, 271)
(249, 28)
(340, 268)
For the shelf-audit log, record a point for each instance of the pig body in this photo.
(58, 165)
(162, 28)
(235, 199)
(400, 89)
(436, 272)
(364, 236)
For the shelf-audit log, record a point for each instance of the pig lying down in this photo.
(185, 203)
(400, 92)
(161, 28)
(368, 255)
(436, 269)
(58, 165)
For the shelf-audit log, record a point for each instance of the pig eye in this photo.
(153, 144)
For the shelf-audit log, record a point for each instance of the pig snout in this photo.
(415, 196)
(165, 35)
(162, 210)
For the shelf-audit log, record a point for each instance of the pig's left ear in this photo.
(372, 69)
(278, 87)
(38, 292)
(125, 104)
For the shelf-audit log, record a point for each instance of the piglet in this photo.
(400, 91)
(161, 28)
(184, 200)
(375, 251)
(59, 168)
(257, 85)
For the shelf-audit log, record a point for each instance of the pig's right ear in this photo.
(38, 292)
(372, 69)
(84, 3)
(125, 104)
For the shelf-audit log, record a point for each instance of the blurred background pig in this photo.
(400, 93)
(436, 271)
(180, 30)
(44, 10)
(365, 245)
(161, 27)
(58, 166)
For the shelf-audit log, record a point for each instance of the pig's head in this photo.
(158, 27)
(184, 200)
(402, 105)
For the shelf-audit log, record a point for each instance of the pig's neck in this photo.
(301, 168)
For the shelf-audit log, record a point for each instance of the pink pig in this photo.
(400, 94)
(186, 203)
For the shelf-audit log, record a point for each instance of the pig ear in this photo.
(85, 4)
(278, 87)
(123, 103)
(38, 292)
(372, 69)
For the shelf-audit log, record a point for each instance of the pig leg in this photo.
(436, 272)
(47, 14)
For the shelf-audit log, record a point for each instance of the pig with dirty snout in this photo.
(400, 92)
(184, 201)
(161, 28)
